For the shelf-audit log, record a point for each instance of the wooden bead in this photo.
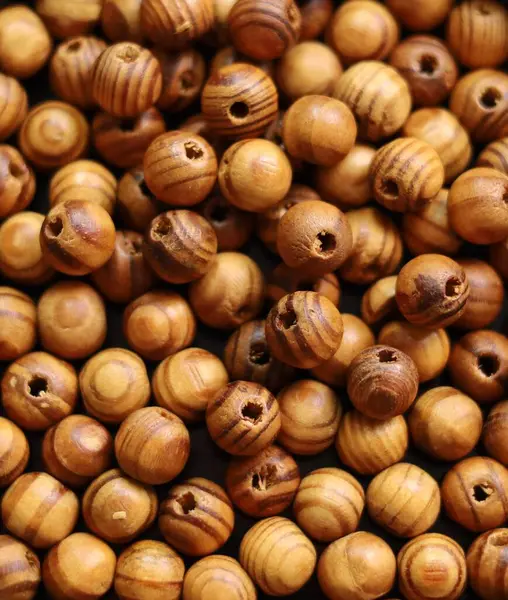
(494, 432)
(66, 18)
(244, 418)
(368, 445)
(420, 15)
(114, 383)
(310, 415)
(180, 246)
(362, 30)
(173, 24)
(377, 246)
(428, 67)
(479, 101)
(432, 291)
(38, 390)
(25, 44)
(315, 16)
(360, 565)
(20, 568)
(487, 571)
(39, 510)
(76, 450)
(94, 577)
(274, 134)
(18, 324)
(218, 577)
(149, 570)
(84, 180)
(117, 508)
(14, 454)
(370, 85)
(429, 350)
(17, 182)
(498, 254)
(229, 55)
(264, 30)
(13, 106)
(123, 142)
(219, 35)
(278, 556)
(378, 301)
(265, 484)
(239, 101)
(329, 504)
(474, 493)
(382, 382)
(230, 294)
(121, 20)
(284, 280)
(404, 500)
(136, 205)
(304, 329)
(495, 156)
(428, 230)
(197, 517)
(186, 382)
(158, 324)
(432, 566)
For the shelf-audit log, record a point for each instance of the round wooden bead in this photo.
(14, 453)
(121, 20)
(284, 280)
(377, 246)
(377, 95)
(432, 566)
(427, 66)
(158, 324)
(304, 329)
(114, 383)
(17, 182)
(495, 156)
(186, 382)
(429, 350)
(38, 390)
(378, 301)
(25, 44)
(18, 323)
(265, 484)
(239, 101)
(123, 142)
(382, 382)
(94, 577)
(39, 510)
(20, 568)
(274, 134)
(487, 572)
(368, 445)
(66, 18)
(218, 577)
(197, 517)
(474, 493)
(136, 205)
(310, 415)
(117, 508)
(13, 105)
(494, 432)
(231, 293)
(244, 418)
(329, 504)
(432, 290)
(420, 15)
(149, 570)
(315, 16)
(360, 565)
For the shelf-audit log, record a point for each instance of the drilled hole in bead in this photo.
(162, 227)
(452, 287)
(15, 170)
(389, 188)
(482, 492)
(219, 213)
(490, 98)
(126, 124)
(239, 110)
(187, 81)
(251, 411)
(38, 386)
(488, 364)
(55, 227)
(428, 64)
(74, 46)
(193, 151)
(498, 539)
(187, 502)
(128, 54)
(265, 479)
(387, 356)
(325, 242)
(288, 319)
(259, 354)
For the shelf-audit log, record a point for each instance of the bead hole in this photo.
(74, 46)
(187, 502)
(490, 98)
(488, 364)
(219, 213)
(325, 242)
(239, 110)
(452, 287)
(162, 227)
(387, 356)
(38, 386)
(265, 479)
(389, 188)
(259, 354)
(251, 411)
(288, 319)
(15, 170)
(482, 492)
(129, 54)
(193, 151)
(187, 81)
(55, 227)
(499, 539)
(428, 64)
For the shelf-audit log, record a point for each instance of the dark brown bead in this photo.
(285, 280)
(315, 16)
(136, 204)
(495, 156)
(233, 227)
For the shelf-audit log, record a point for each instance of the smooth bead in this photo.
(420, 15)
(20, 568)
(487, 571)
(14, 454)
(66, 18)
(495, 431)
(13, 106)
(18, 324)
(218, 576)
(378, 301)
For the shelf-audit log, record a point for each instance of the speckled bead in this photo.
(20, 568)
(13, 106)
(487, 571)
(284, 280)
(495, 156)
(14, 453)
(495, 431)
(218, 575)
(18, 323)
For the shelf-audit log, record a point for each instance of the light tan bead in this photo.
(18, 323)
(20, 568)
(13, 106)
(121, 21)
(495, 432)
(17, 182)
(378, 301)
(215, 577)
(487, 571)
(420, 15)
(495, 156)
(14, 453)
(65, 18)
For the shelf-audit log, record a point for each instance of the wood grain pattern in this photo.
(378, 301)
(495, 431)
(14, 452)
(13, 106)
(18, 323)
(121, 20)
(495, 156)
(136, 205)
(486, 565)
(67, 18)
(183, 76)
(20, 568)
(218, 576)
(17, 182)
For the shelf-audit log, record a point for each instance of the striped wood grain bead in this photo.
(66, 18)
(136, 205)
(117, 508)
(14, 452)
(18, 324)
(378, 97)
(197, 517)
(244, 419)
(495, 432)
(121, 20)
(20, 568)
(369, 445)
(265, 484)
(239, 101)
(406, 174)
(315, 15)
(486, 567)
(378, 301)
(13, 106)
(17, 182)
(277, 555)
(495, 156)
(404, 500)
(39, 510)
(149, 570)
(284, 280)
(218, 576)
(329, 504)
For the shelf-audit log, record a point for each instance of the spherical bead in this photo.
(20, 568)
(197, 517)
(17, 182)
(378, 301)
(66, 18)
(420, 15)
(218, 576)
(495, 156)
(14, 453)
(274, 134)
(445, 423)
(495, 431)
(487, 572)
(284, 280)
(13, 106)
(121, 20)
(315, 16)
(18, 323)
(136, 205)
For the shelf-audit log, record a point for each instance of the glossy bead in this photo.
(278, 556)
(66, 18)
(17, 182)
(368, 445)
(121, 21)
(304, 329)
(13, 106)
(186, 382)
(233, 227)
(369, 82)
(494, 432)
(474, 493)
(158, 324)
(329, 504)
(244, 418)
(136, 205)
(487, 572)
(315, 15)
(20, 568)
(218, 576)
(114, 383)
(196, 517)
(14, 453)
(378, 301)
(18, 324)
(39, 510)
(495, 156)
(117, 508)
(420, 15)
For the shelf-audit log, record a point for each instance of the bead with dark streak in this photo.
(20, 568)
(14, 453)
(18, 324)
(13, 106)
(222, 574)
(495, 155)
(378, 301)
(315, 15)
(495, 432)
(284, 280)
(136, 205)
(17, 182)
(120, 20)
(486, 565)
